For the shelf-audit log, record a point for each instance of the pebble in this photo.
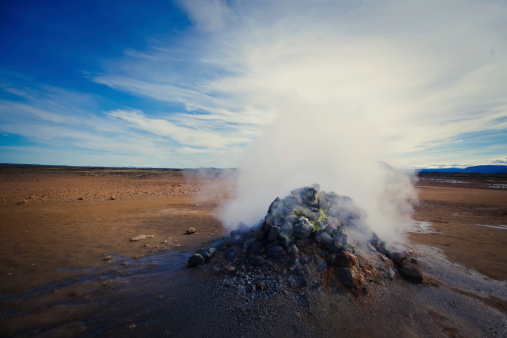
(138, 238)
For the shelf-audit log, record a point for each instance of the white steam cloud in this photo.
(329, 144)
(396, 81)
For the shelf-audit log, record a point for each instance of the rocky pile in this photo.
(309, 238)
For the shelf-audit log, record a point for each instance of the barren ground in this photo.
(68, 265)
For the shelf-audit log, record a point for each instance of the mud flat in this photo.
(69, 266)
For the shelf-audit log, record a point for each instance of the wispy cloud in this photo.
(428, 77)
(422, 73)
(63, 122)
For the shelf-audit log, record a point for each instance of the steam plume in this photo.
(331, 144)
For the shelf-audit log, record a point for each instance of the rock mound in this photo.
(309, 238)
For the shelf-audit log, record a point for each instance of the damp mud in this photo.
(69, 267)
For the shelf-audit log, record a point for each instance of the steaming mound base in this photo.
(308, 239)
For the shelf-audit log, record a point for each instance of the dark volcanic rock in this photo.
(195, 260)
(303, 281)
(293, 250)
(310, 196)
(275, 252)
(324, 238)
(411, 272)
(308, 238)
(273, 233)
(398, 258)
(257, 247)
(384, 248)
(303, 228)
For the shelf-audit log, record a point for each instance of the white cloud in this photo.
(421, 72)
(182, 134)
(501, 160)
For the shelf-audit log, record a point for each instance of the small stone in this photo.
(112, 198)
(137, 238)
(293, 250)
(324, 238)
(247, 244)
(275, 252)
(273, 233)
(391, 273)
(261, 234)
(398, 257)
(384, 248)
(310, 196)
(411, 272)
(80, 198)
(195, 260)
(191, 231)
(258, 247)
(209, 253)
(303, 281)
(132, 326)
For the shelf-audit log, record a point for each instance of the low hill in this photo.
(479, 169)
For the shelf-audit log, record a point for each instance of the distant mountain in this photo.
(478, 169)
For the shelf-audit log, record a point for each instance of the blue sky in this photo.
(193, 83)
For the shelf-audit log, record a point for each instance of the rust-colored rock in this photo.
(351, 277)
(342, 259)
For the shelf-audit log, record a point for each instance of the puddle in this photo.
(494, 226)
(420, 227)
(498, 186)
(447, 181)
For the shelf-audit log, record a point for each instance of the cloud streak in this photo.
(422, 73)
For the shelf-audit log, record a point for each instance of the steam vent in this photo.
(310, 238)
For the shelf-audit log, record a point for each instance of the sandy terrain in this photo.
(69, 268)
(455, 210)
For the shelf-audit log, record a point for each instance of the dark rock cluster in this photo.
(309, 238)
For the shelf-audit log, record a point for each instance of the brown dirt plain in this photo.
(67, 232)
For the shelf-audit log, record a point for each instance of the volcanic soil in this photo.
(69, 266)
